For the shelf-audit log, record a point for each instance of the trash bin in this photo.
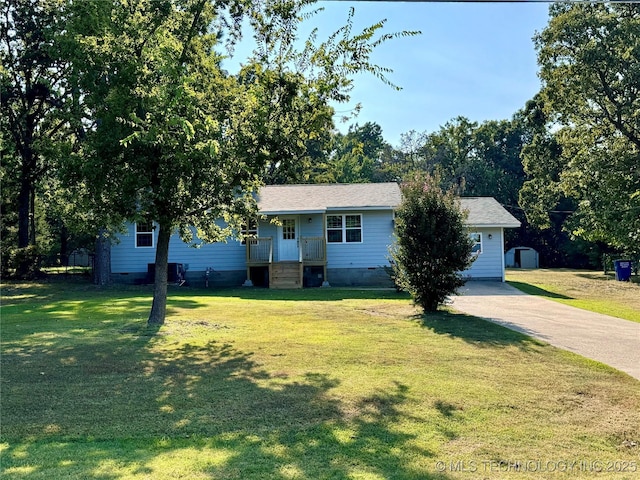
(623, 270)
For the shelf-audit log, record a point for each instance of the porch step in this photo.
(285, 275)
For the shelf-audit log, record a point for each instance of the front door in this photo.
(288, 239)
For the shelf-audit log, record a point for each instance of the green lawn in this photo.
(323, 383)
(586, 289)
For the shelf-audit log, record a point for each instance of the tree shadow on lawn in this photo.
(608, 277)
(81, 317)
(302, 294)
(475, 330)
(124, 406)
(537, 291)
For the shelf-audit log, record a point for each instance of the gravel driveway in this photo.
(609, 340)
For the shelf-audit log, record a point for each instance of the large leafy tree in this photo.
(473, 159)
(352, 157)
(179, 141)
(36, 115)
(586, 152)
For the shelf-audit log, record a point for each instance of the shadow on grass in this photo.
(537, 291)
(304, 294)
(57, 289)
(474, 330)
(81, 315)
(122, 403)
(608, 277)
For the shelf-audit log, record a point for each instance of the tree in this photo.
(352, 157)
(433, 243)
(587, 152)
(474, 159)
(177, 140)
(36, 111)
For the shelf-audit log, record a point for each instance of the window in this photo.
(344, 228)
(144, 235)
(249, 229)
(288, 229)
(476, 238)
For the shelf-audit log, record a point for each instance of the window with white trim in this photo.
(476, 238)
(344, 228)
(144, 234)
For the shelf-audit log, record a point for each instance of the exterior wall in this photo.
(377, 235)
(489, 264)
(361, 277)
(129, 263)
(347, 263)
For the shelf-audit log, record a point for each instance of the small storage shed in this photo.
(521, 257)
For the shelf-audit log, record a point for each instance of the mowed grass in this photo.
(313, 384)
(586, 289)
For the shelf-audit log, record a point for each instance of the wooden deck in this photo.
(286, 274)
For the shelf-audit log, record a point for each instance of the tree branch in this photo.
(615, 120)
(191, 33)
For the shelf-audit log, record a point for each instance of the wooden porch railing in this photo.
(312, 252)
(259, 250)
(312, 249)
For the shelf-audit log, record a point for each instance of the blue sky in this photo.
(473, 59)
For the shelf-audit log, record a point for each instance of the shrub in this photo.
(433, 245)
(26, 262)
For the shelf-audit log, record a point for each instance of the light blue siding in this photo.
(372, 253)
(126, 258)
(377, 235)
(489, 263)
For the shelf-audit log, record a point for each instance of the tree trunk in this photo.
(102, 261)
(24, 263)
(159, 306)
(64, 246)
(32, 217)
(24, 202)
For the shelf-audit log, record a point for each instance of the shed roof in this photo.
(321, 198)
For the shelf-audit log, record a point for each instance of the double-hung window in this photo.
(344, 228)
(144, 234)
(476, 239)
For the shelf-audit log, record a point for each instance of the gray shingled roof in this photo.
(487, 212)
(320, 198)
(281, 199)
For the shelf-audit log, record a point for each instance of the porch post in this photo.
(247, 282)
(325, 282)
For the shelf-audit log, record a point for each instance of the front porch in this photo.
(308, 270)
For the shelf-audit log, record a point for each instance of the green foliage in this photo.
(353, 157)
(36, 116)
(29, 257)
(40, 127)
(474, 159)
(433, 245)
(175, 138)
(587, 146)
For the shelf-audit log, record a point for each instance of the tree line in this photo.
(122, 110)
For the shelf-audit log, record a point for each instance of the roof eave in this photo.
(355, 209)
(290, 212)
(494, 225)
(328, 209)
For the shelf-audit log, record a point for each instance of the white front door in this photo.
(288, 239)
